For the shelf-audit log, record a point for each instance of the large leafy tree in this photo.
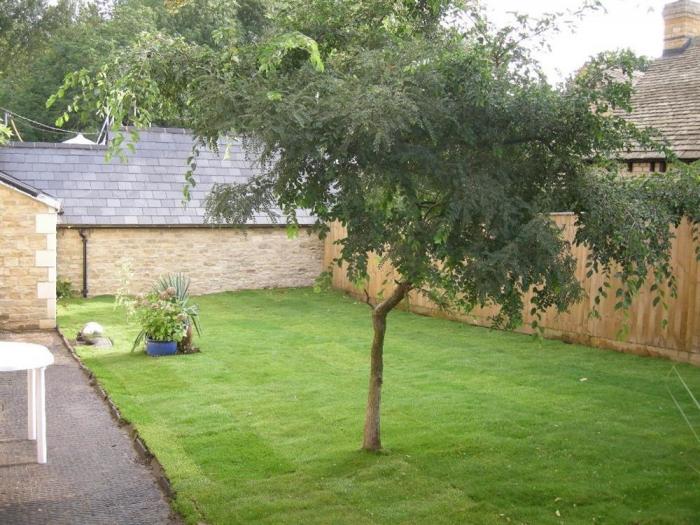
(35, 53)
(433, 138)
(26, 24)
(41, 41)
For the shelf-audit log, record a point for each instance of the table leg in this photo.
(31, 405)
(40, 416)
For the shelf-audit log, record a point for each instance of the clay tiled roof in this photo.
(147, 190)
(667, 97)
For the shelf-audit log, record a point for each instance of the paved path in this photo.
(93, 475)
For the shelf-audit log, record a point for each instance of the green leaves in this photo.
(274, 51)
(292, 231)
(62, 119)
(274, 96)
(5, 134)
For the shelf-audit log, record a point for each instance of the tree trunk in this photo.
(185, 345)
(372, 437)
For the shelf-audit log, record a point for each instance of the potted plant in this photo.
(180, 283)
(164, 321)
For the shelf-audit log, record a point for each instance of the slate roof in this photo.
(145, 191)
(667, 97)
(29, 190)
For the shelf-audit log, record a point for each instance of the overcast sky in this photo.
(634, 24)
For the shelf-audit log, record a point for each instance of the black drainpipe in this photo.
(85, 268)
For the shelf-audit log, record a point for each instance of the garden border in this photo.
(147, 457)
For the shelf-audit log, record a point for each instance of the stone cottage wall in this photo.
(27, 262)
(216, 259)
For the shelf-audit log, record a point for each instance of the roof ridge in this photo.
(57, 145)
(156, 129)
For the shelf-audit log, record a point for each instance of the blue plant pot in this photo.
(158, 348)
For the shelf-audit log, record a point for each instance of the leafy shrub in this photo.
(64, 289)
(324, 281)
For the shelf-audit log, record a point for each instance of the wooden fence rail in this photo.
(679, 340)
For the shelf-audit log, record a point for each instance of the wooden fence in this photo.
(679, 340)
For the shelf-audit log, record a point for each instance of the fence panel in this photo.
(679, 340)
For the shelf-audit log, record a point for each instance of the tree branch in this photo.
(368, 300)
(394, 299)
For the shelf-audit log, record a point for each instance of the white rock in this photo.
(92, 329)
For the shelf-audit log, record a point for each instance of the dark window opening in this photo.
(630, 166)
(652, 167)
(662, 166)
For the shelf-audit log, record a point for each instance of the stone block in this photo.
(45, 290)
(51, 309)
(45, 259)
(47, 324)
(46, 223)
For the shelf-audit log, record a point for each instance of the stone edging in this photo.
(148, 458)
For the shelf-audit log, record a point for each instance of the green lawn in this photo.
(480, 426)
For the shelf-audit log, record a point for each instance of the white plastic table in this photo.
(34, 359)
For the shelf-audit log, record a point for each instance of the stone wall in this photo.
(27, 262)
(216, 259)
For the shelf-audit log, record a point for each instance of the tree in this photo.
(42, 41)
(28, 28)
(25, 24)
(439, 145)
